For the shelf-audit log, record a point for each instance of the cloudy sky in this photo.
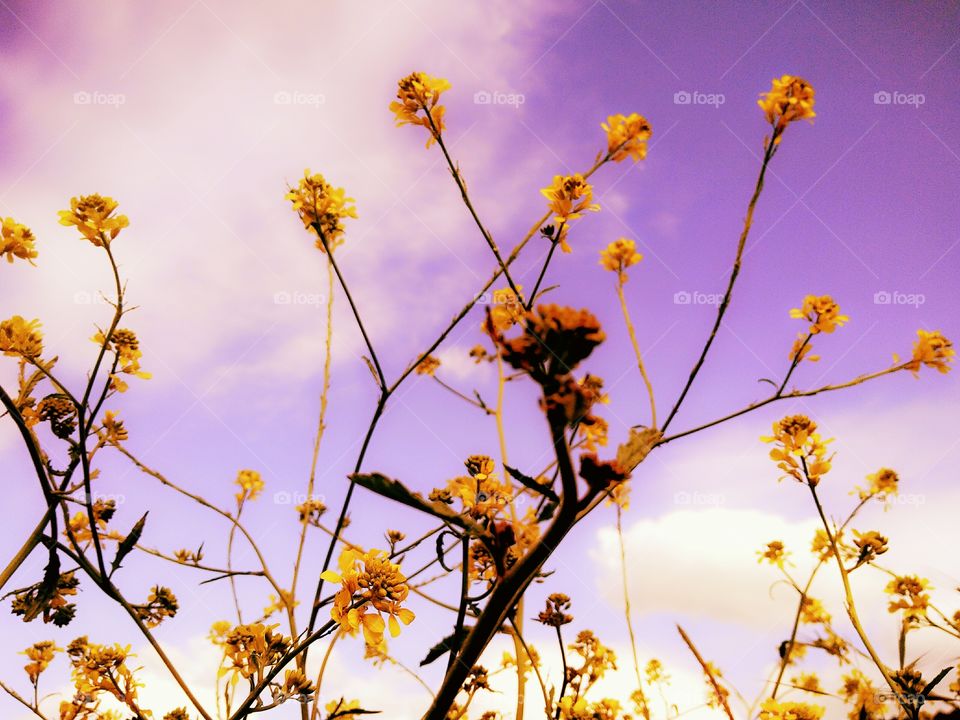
(196, 116)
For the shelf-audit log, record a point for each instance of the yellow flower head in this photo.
(933, 350)
(506, 309)
(322, 209)
(821, 312)
(800, 451)
(370, 586)
(19, 338)
(428, 366)
(250, 484)
(125, 344)
(416, 103)
(790, 99)
(94, 218)
(619, 255)
(775, 554)
(16, 240)
(627, 136)
(568, 197)
(910, 595)
(40, 654)
(882, 483)
(773, 710)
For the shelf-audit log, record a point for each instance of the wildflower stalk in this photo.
(850, 603)
(621, 279)
(721, 696)
(563, 664)
(506, 593)
(768, 154)
(24, 552)
(628, 615)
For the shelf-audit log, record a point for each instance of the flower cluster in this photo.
(627, 136)
(790, 99)
(126, 346)
(16, 240)
(416, 103)
(822, 312)
(40, 655)
(251, 649)
(800, 452)
(428, 366)
(883, 483)
(371, 586)
(933, 350)
(619, 255)
(568, 197)
(93, 215)
(773, 710)
(322, 209)
(480, 493)
(910, 595)
(21, 338)
(161, 604)
(555, 340)
(555, 613)
(250, 484)
(99, 670)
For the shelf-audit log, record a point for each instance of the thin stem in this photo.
(621, 278)
(626, 598)
(566, 675)
(717, 688)
(721, 311)
(554, 241)
(851, 605)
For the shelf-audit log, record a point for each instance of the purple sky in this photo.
(173, 110)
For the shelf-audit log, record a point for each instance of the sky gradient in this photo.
(196, 116)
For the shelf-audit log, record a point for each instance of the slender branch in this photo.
(621, 278)
(717, 688)
(721, 311)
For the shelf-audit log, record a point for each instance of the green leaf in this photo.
(532, 483)
(128, 543)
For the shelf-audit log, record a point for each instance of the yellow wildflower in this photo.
(933, 350)
(627, 136)
(807, 681)
(813, 612)
(882, 483)
(506, 309)
(822, 312)
(369, 581)
(40, 654)
(801, 453)
(790, 99)
(775, 554)
(419, 93)
(619, 255)
(21, 338)
(773, 710)
(428, 366)
(250, 483)
(910, 595)
(113, 430)
(322, 209)
(568, 198)
(125, 344)
(94, 218)
(16, 240)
